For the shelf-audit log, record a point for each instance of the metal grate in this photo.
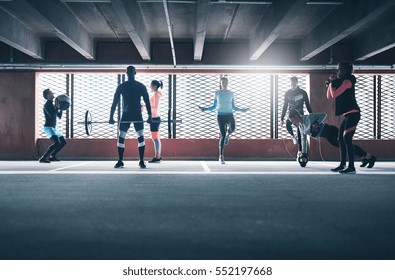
(94, 92)
(250, 91)
(193, 91)
(387, 107)
(364, 93)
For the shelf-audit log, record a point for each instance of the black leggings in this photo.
(288, 125)
(58, 144)
(226, 124)
(123, 129)
(346, 133)
(331, 132)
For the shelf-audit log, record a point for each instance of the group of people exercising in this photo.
(340, 87)
(132, 92)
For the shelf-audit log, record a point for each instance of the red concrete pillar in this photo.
(17, 115)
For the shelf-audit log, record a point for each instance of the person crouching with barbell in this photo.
(51, 112)
(132, 92)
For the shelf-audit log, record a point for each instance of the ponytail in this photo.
(157, 84)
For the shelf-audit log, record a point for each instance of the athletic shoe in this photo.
(294, 139)
(142, 164)
(372, 161)
(155, 160)
(119, 164)
(221, 160)
(339, 168)
(348, 170)
(44, 160)
(365, 162)
(226, 139)
(53, 158)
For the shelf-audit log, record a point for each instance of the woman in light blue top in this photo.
(224, 103)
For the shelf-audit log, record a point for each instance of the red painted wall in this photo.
(17, 115)
(176, 149)
(208, 149)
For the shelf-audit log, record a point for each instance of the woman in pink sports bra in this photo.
(342, 89)
(154, 126)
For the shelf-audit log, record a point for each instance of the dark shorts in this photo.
(125, 125)
(154, 127)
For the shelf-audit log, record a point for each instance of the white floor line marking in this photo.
(66, 167)
(205, 166)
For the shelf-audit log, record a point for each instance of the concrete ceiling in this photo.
(311, 28)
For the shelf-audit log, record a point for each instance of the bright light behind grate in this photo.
(364, 93)
(193, 91)
(388, 107)
(94, 92)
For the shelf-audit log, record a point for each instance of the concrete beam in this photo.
(346, 19)
(280, 16)
(373, 42)
(201, 17)
(17, 35)
(65, 25)
(129, 14)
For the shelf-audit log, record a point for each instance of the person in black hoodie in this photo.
(342, 89)
(51, 112)
(131, 92)
(295, 98)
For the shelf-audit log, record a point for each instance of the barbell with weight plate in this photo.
(88, 122)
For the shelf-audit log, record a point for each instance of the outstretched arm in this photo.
(212, 107)
(238, 109)
(201, 108)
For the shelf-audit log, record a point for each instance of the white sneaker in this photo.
(221, 160)
(295, 139)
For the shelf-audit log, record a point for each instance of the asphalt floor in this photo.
(185, 210)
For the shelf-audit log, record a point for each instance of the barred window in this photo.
(364, 93)
(386, 109)
(183, 93)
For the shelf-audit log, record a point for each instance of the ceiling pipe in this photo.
(169, 27)
(189, 67)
